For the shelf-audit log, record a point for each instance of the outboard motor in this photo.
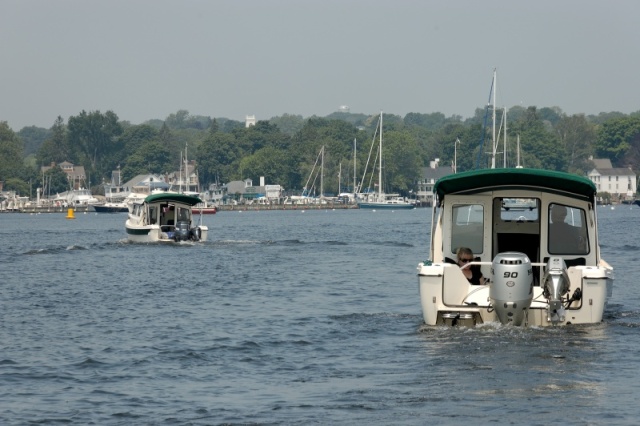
(555, 286)
(182, 231)
(511, 291)
(196, 233)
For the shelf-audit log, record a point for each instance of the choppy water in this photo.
(287, 318)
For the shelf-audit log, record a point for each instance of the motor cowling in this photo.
(196, 233)
(511, 291)
(181, 231)
(555, 285)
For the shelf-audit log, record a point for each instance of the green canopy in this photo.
(173, 196)
(490, 179)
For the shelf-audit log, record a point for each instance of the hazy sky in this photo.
(146, 59)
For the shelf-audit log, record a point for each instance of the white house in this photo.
(429, 177)
(619, 182)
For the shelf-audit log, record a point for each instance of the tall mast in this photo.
(504, 114)
(380, 162)
(493, 134)
(322, 174)
(354, 167)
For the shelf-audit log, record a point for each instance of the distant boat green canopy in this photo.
(487, 179)
(173, 196)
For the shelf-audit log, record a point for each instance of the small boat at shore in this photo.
(165, 217)
(205, 208)
(379, 199)
(111, 207)
(543, 265)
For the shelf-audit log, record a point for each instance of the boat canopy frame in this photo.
(477, 181)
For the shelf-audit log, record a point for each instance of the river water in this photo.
(287, 317)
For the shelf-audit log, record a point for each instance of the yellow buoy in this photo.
(70, 214)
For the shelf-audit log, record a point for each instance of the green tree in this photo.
(401, 162)
(578, 138)
(18, 185)
(134, 137)
(55, 149)
(96, 137)
(269, 162)
(216, 156)
(11, 165)
(288, 124)
(33, 137)
(151, 157)
(619, 140)
(539, 147)
(55, 181)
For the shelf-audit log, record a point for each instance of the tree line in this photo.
(284, 148)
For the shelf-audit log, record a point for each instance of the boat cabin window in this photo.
(153, 215)
(567, 230)
(467, 227)
(183, 214)
(519, 210)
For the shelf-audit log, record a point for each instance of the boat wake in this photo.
(54, 250)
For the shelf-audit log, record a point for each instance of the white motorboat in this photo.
(115, 195)
(165, 217)
(81, 197)
(540, 271)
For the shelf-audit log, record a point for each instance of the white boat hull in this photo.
(154, 234)
(165, 217)
(543, 264)
(447, 298)
(390, 206)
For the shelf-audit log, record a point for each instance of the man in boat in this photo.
(563, 237)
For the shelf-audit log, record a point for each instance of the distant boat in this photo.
(111, 207)
(165, 217)
(379, 199)
(205, 208)
(81, 197)
(115, 196)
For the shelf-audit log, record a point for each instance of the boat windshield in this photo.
(467, 227)
(183, 215)
(567, 230)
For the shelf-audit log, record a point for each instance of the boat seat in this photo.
(472, 267)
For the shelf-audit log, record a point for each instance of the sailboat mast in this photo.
(186, 173)
(504, 114)
(493, 134)
(380, 162)
(354, 167)
(322, 175)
